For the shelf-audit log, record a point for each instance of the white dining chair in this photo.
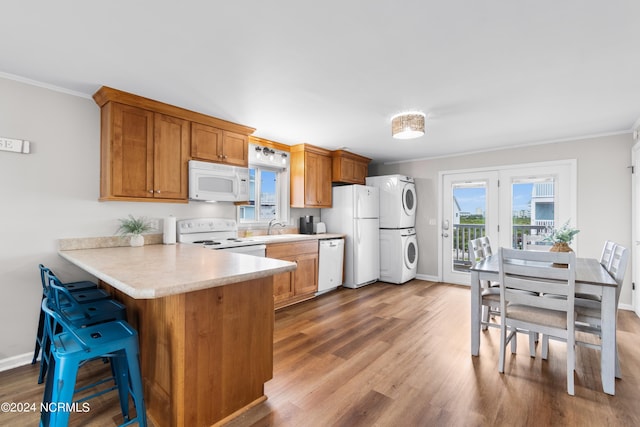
(490, 294)
(588, 311)
(524, 277)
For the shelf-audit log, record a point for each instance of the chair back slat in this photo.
(618, 265)
(555, 287)
(54, 319)
(58, 294)
(477, 252)
(541, 270)
(486, 246)
(515, 297)
(607, 252)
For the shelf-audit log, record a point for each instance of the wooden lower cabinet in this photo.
(300, 284)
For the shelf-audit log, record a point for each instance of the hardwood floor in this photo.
(387, 355)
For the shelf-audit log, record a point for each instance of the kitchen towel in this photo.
(169, 232)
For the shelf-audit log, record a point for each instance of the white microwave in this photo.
(217, 182)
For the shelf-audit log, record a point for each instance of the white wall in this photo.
(53, 193)
(604, 192)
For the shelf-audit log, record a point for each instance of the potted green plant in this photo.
(561, 238)
(134, 227)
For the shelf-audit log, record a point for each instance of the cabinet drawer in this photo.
(291, 249)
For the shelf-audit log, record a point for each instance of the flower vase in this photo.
(560, 247)
(136, 240)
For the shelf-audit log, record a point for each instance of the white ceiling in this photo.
(488, 73)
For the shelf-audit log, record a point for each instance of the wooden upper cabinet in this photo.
(126, 152)
(170, 157)
(235, 149)
(144, 155)
(349, 168)
(206, 142)
(145, 146)
(310, 177)
(216, 145)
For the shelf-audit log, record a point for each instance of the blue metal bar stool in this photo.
(72, 347)
(77, 315)
(87, 291)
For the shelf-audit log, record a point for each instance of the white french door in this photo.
(470, 210)
(504, 204)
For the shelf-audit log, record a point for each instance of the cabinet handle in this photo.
(158, 191)
(151, 191)
(224, 156)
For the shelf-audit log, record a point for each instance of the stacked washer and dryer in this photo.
(398, 242)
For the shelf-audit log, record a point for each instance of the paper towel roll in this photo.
(169, 231)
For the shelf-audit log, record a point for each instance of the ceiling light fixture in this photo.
(408, 125)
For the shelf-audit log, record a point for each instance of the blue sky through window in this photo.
(473, 199)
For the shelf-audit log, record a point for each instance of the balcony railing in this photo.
(462, 233)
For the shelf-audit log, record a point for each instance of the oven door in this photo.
(255, 250)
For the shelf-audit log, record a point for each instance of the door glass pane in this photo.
(268, 185)
(533, 211)
(469, 210)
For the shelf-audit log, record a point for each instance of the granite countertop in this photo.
(155, 271)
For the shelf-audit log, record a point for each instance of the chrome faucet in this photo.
(274, 222)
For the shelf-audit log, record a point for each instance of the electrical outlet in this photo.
(154, 223)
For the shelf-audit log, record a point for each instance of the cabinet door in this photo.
(171, 153)
(282, 286)
(132, 152)
(346, 172)
(311, 179)
(317, 180)
(206, 142)
(235, 149)
(305, 277)
(324, 182)
(360, 170)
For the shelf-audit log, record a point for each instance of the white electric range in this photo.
(218, 234)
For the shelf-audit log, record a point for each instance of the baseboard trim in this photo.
(15, 361)
(626, 307)
(427, 278)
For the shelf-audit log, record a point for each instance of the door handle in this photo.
(445, 234)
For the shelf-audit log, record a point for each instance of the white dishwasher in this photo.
(331, 255)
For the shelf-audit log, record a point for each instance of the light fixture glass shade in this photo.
(407, 125)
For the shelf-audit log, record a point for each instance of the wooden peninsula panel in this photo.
(207, 354)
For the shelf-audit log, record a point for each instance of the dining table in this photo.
(591, 278)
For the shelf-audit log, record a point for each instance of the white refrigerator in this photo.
(355, 214)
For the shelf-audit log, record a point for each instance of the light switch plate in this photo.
(14, 145)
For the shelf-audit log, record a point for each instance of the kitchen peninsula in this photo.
(205, 322)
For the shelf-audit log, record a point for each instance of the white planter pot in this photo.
(136, 240)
